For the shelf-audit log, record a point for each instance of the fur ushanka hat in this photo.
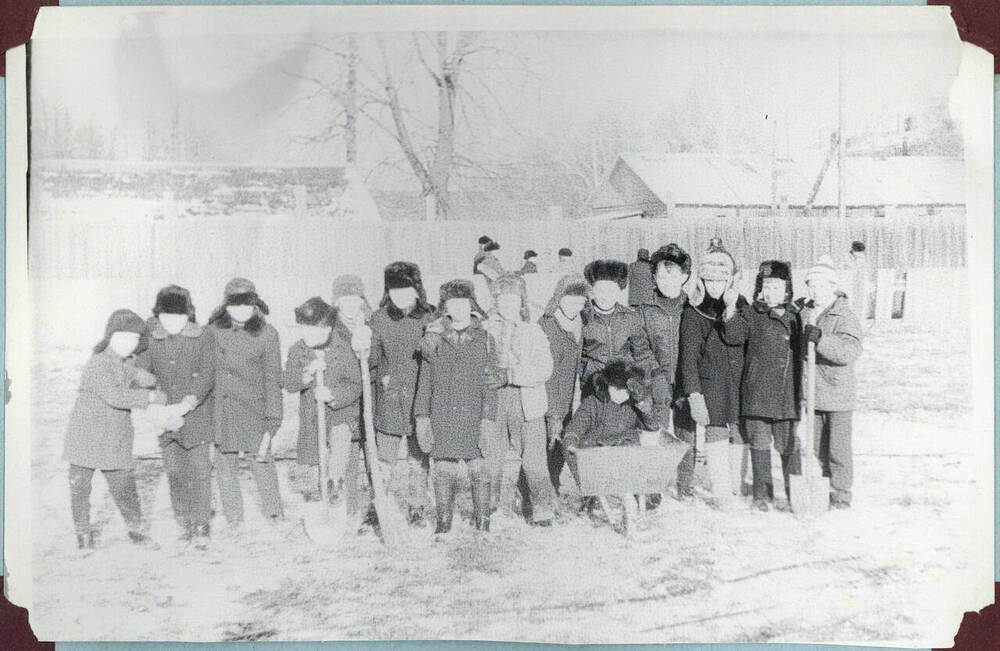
(240, 291)
(124, 321)
(398, 275)
(510, 283)
(568, 285)
(174, 299)
(314, 312)
(774, 269)
(614, 270)
(459, 288)
(671, 254)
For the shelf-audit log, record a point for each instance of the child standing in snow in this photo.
(100, 433)
(397, 329)
(769, 389)
(619, 405)
(709, 377)
(525, 361)
(248, 407)
(835, 330)
(319, 351)
(181, 355)
(456, 390)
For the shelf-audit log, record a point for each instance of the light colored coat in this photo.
(838, 348)
(530, 361)
(100, 433)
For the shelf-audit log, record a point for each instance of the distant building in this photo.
(694, 184)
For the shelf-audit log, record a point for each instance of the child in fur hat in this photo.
(456, 391)
(319, 351)
(709, 374)
(397, 329)
(181, 355)
(769, 390)
(619, 405)
(611, 330)
(525, 361)
(248, 399)
(836, 331)
(100, 433)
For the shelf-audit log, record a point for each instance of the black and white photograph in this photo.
(528, 324)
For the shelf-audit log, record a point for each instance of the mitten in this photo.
(323, 394)
(699, 410)
(553, 430)
(144, 378)
(157, 398)
(425, 435)
(813, 333)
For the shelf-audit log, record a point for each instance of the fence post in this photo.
(885, 288)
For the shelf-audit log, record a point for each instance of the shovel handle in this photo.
(324, 466)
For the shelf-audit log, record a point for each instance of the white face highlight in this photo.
(572, 305)
(618, 396)
(124, 343)
(716, 288)
(772, 291)
(509, 307)
(460, 311)
(404, 298)
(315, 336)
(669, 279)
(240, 313)
(173, 323)
(350, 307)
(606, 294)
(822, 291)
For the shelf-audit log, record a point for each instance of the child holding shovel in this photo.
(836, 333)
(318, 354)
(100, 433)
(769, 389)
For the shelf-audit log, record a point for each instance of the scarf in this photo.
(573, 326)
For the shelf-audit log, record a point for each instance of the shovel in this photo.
(809, 492)
(390, 519)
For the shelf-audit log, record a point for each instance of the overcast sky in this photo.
(233, 73)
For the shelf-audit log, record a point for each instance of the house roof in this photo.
(712, 179)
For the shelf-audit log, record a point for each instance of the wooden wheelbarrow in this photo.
(627, 471)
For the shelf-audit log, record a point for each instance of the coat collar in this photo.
(835, 309)
(665, 303)
(157, 331)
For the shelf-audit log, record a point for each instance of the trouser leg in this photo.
(759, 433)
(685, 469)
(494, 444)
(200, 485)
(445, 478)
(265, 476)
(354, 494)
(739, 459)
(80, 484)
(121, 483)
(227, 473)
(840, 455)
(339, 441)
(481, 486)
(177, 480)
(534, 474)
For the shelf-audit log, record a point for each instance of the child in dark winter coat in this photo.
(397, 330)
(835, 330)
(320, 351)
(611, 330)
(709, 377)
(769, 389)
(248, 403)
(618, 407)
(100, 433)
(456, 390)
(181, 355)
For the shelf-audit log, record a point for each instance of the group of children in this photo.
(454, 385)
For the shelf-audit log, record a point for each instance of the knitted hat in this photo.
(485, 239)
(459, 288)
(774, 269)
(569, 285)
(530, 254)
(642, 255)
(510, 283)
(566, 253)
(491, 246)
(717, 263)
(173, 299)
(613, 270)
(123, 321)
(823, 270)
(671, 254)
(313, 312)
(347, 285)
(858, 247)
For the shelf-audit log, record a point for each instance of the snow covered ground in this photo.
(896, 567)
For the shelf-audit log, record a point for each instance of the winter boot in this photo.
(187, 532)
(760, 460)
(791, 464)
(82, 541)
(140, 538)
(444, 498)
(481, 504)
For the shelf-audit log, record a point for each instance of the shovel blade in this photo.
(809, 495)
